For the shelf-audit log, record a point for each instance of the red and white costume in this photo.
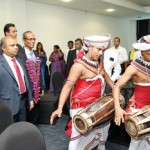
(140, 99)
(84, 93)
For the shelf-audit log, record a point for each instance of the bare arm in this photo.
(50, 57)
(108, 80)
(74, 75)
(60, 54)
(130, 71)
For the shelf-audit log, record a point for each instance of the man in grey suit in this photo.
(28, 53)
(15, 87)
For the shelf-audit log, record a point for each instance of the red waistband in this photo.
(142, 95)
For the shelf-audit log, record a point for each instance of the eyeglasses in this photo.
(31, 39)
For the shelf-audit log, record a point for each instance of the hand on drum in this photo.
(56, 113)
(119, 115)
(146, 110)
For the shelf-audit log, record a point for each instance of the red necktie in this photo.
(21, 82)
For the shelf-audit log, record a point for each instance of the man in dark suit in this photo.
(70, 45)
(10, 30)
(28, 53)
(15, 87)
(73, 54)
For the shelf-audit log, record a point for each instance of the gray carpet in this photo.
(56, 139)
(54, 135)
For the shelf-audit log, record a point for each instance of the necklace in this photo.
(90, 62)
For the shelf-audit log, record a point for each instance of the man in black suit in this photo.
(28, 53)
(10, 30)
(73, 54)
(15, 88)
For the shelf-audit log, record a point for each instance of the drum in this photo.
(96, 113)
(138, 124)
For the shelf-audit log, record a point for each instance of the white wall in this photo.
(56, 25)
(13, 11)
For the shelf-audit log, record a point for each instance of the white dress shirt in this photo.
(11, 64)
(29, 53)
(111, 62)
(122, 52)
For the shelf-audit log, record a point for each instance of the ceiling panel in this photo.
(99, 6)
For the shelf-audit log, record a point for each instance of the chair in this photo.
(49, 102)
(6, 117)
(57, 81)
(22, 136)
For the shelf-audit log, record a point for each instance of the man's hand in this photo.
(119, 115)
(146, 109)
(56, 113)
(42, 94)
(31, 105)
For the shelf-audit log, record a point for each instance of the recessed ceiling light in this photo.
(110, 10)
(66, 1)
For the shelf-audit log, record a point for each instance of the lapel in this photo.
(6, 66)
(22, 55)
(75, 54)
(35, 53)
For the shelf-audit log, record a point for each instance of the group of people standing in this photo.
(89, 66)
(20, 79)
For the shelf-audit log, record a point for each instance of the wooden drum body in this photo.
(96, 113)
(138, 124)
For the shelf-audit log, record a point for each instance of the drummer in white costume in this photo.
(139, 70)
(86, 79)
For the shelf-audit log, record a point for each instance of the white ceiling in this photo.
(135, 9)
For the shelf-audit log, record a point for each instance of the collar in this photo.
(117, 47)
(28, 52)
(8, 58)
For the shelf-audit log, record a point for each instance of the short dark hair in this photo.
(70, 42)
(7, 26)
(117, 38)
(78, 39)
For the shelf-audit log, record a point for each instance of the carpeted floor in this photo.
(56, 139)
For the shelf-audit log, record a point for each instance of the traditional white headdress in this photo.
(143, 43)
(97, 40)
